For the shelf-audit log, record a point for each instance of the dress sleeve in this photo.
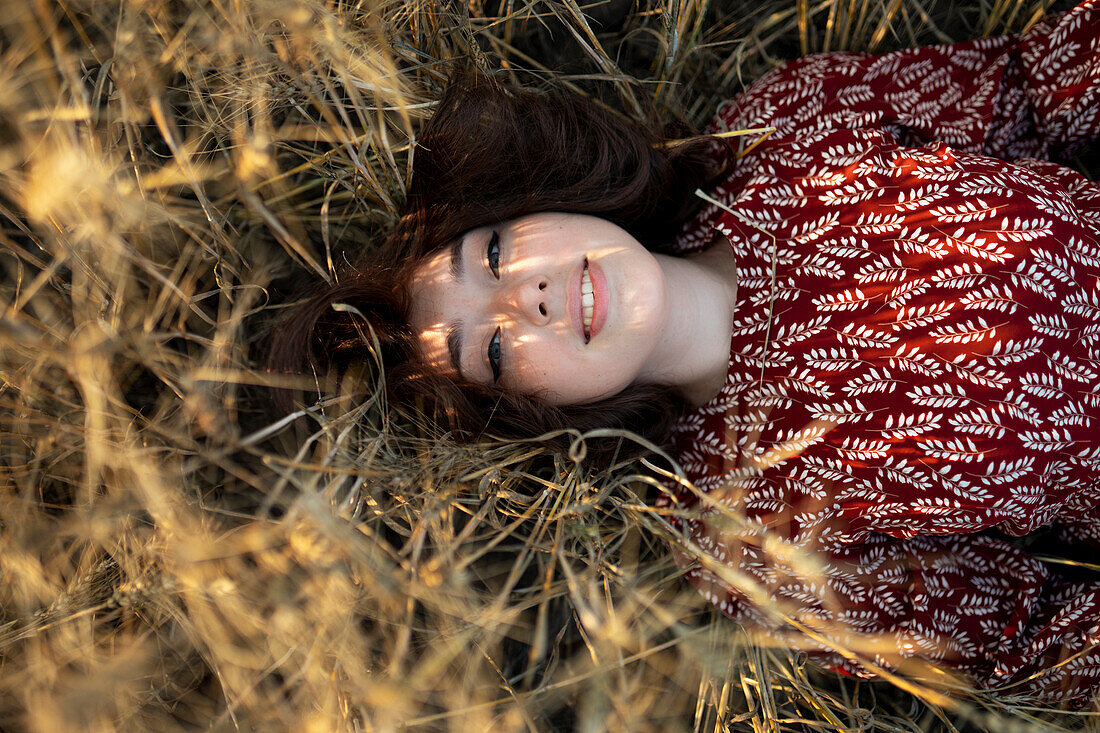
(1033, 95)
(974, 603)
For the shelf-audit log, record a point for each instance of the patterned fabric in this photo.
(915, 359)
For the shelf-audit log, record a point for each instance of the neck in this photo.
(692, 351)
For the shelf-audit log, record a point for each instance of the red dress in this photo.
(915, 361)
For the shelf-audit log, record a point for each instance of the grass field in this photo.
(173, 556)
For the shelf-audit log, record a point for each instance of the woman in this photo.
(875, 349)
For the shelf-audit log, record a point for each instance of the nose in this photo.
(528, 300)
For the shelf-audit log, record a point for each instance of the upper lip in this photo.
(575, 306)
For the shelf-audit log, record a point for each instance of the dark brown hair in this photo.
(490, 153)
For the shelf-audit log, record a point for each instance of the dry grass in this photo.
(170, 557)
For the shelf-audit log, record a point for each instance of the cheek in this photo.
(601, 377)
(539, 364)
(564, 376)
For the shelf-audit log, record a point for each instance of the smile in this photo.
(590, 312)
(588, 301)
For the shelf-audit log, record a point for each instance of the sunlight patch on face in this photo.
(433, 346)
(534, 296)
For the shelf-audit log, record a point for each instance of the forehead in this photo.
(430, 291)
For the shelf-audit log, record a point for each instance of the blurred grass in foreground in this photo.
(171, 557)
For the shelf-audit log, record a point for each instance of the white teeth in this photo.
(587, 301)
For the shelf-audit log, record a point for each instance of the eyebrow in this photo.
(454, 346)
(454, 331)
(456, 259)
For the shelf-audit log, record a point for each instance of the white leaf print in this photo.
(858, 449)
(843, 156)
(1045, 440)
(875, 223)
(1032, 277)
(839, 412)
(847, 247)
(981, 421)
(904, 426)
(1090, 334)
(966, 211)
(915, 361)
(977, 329)
(795, 331)
(771, 359)
(1017, 406)
(916, 198)
(871, 381)
(1042, 385)
(962, 487)
(755, 322)
(884, 270)
(1057, 206)
(821, 470)
(979, 246)
(1072, 414)
(1071, 369)
(852, 299)
(775, 192)
(789, 156)
(805, 381)
(992, 296)
(1010, 352)
(769, 401)
(919, 317)
(969, 59)
(1083, 253)
(919, 242)
(940, 173)
(939, 395)
(833, 360)
(1084, 304)
(783, 293)
(754, 277)
(985, 185)
(823, 180)
(752, 420)
(821, 265)
(1023, 230)
(902, 293)
(1008, 472)
(897, 470)
(979, 373)
(886, 66)
(964, 276)
(1050, 324)
(852, 192)
(865, 336)
(1056, 59)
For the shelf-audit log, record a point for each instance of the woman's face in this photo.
(509, 305)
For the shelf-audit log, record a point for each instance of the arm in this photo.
(973, 603)
(1031, 95)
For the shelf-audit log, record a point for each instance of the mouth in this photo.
(588, 302)
(592, 296)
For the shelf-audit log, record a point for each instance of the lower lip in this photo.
(599, 298)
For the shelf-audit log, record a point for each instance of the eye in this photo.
(494, 355)
(492, 254)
